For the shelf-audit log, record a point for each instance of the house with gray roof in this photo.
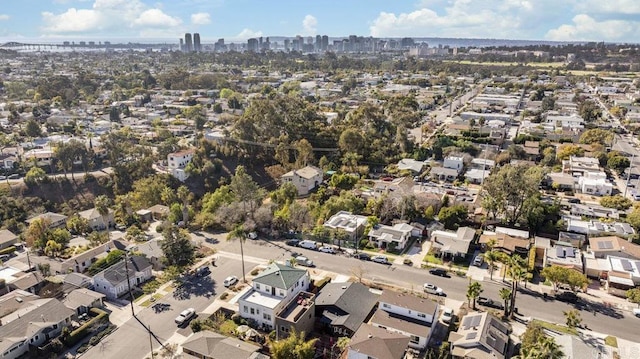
(395, 236)
(31, 325)
(82, 299)
(210, 345)
(371, 342)
(7, 239)
(305, 179)
(96, 221)
(480, 336)
(55, 220)
(112, 281)
(270, 291)
(341, 308)
(453, 243)
(153, 251)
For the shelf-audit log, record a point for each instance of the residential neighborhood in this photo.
(375, 198)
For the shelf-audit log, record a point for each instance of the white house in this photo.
(178, 161)
(454, 163)
(112, 281)
(271, 290)
(32, 323)
(416, 167)
(480, 335)
(305, 179)
(351, 224)
(95, 219)
(595, 183)
(453, 243)
(408, 315)
(383, 236)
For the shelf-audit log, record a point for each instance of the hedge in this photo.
(8, 250)
(81, 332)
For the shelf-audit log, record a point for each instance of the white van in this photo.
(308, 245)
(304, 261)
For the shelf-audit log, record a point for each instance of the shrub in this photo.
(224, 296)
(255, 272)
(83, 348)
(94, 340)
(81, 332)
(8, 250)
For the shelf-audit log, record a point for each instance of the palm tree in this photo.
(545, 348)
(572, 318)
(473, 292)
(491, 257)
(102, 204)
(505, 295)
(241, 234)
(517, 272)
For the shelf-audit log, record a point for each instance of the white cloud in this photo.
(629, 7)
(201, 18)
(523, 19)
(155, 18)
(309, 25)
(115, 17)
(247, 34)
(586, 28)
(4, 17)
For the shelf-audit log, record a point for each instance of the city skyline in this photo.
(111, 20)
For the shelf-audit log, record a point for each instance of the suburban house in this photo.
(621, 274)
(453, 243)
(29, 282)
(343, 307)
(443, 174)
(210, 345)
(305, 179)
(153, 251)
(96, 221)
(480, 336)
(602, 247)
(564, 256)
(31, 325)
(372, 342)
(298, 315)
(352, 224)
(178, 161)
(505, 243)
(408, 315)
(409, 164)
(392, 237)
(7, 239)
(55, 220)
(579, 166)
(112, 281)
(598, 228)
(271, 290)
(454, 163)
(158, 211)
(578, 346)
(595, 183)
(83, 299)
(479, 169)
(81, 262)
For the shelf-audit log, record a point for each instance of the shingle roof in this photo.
(30, 319)
(81, 297)
(7, 236)
(378, 343)
(217, 346)
(346, 304)
(117, 273)
(280, 276)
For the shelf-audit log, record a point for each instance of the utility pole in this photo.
(126, 269)
(150, 341)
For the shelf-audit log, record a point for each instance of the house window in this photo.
(266, 316)
(55, 326)
(246, 309)
(421, 315)
(253, 311)
(415, 339)
(258, 286)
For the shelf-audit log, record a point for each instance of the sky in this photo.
(237, 20)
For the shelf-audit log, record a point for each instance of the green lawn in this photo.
(430, 258)
(557, 327)
(611, 341)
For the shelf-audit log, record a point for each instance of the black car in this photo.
(292, 242)
(487, 302)
(568, 297)
(362, 256)
(439, 272)
(573, 200)
(203, 271)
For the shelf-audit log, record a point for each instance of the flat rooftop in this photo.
(262, 299)
(297, 306)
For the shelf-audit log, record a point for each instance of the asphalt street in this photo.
(132, 340)
(530, 304)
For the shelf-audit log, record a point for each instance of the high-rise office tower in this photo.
(318, 44)
(325, 42)
(181, 44)
(196, 42)
(252, 45)
(188, 43)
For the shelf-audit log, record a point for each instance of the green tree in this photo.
(491, 257)
(245, 190)
(135, 234)
(304, 153)
(177, 248)
(293, 347)
(618, 163)
(37, 234)
(185, 196)
(589, 111)
(452, 217)
(567, 150)
(572, 318)
(33, 129)
(35, 176)
(505, 295)
(473, 292)
(561, 275)
(351, 140)
(633, 295)
(596, 136)
(285, 194)
(77, 225)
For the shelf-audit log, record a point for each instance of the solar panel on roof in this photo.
(626, 265)
(471, 335)
(559, 252)
(608, 245)
(476, 320)
(601, 245)
(570, 252)
(465, 322)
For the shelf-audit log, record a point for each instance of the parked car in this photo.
(292, 242)
(447, 315)
(203, 271)
(304, 261)
(362, 256)
(185, 316)
(13, 176)
(380, 259)
(484, 301)
(327, 249)
(573, 200)
(230, 280)
(2, 178)
(308, 244)
(253, 236)
(636, 312)
(568, 297)
(478, 260)
(432, 289)
(439, 272)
